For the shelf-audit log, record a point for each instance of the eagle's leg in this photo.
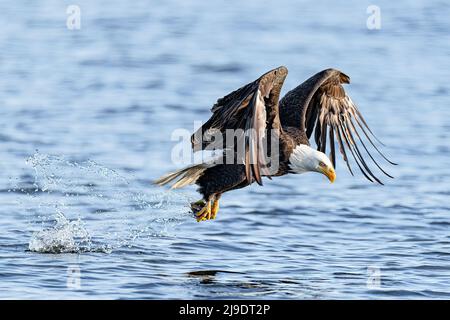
(213, 183)
(205, 212)
(215, 205)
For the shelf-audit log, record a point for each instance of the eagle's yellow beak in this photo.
(329, 172)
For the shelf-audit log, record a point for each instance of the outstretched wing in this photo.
(253, 109)
(320, 106)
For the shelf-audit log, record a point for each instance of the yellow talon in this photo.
(206, 210)
(204, 213)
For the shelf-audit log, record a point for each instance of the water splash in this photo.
(82, 206)
(64, 237)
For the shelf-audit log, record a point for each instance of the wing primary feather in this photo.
(332, 151)
(365, 123)
(342, 148)
(226, 115)
(323, 138)
(317, 134)
(373, 144)
(350, 122)
(353, 154)
(354, 148)
(361, 159)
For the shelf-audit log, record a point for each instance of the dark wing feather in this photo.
(253, 108)
(320, 104)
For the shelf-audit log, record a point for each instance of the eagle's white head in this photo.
(305, 159)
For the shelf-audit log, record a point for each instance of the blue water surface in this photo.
(87, 117)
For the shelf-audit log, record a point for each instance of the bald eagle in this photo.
(318, 107)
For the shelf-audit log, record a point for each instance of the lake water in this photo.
(87, 117)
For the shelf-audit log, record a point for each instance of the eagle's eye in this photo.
(323, 165)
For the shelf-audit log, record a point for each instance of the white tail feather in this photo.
(186, 176)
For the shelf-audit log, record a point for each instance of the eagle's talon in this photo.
(206, 210)
(205, 213)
